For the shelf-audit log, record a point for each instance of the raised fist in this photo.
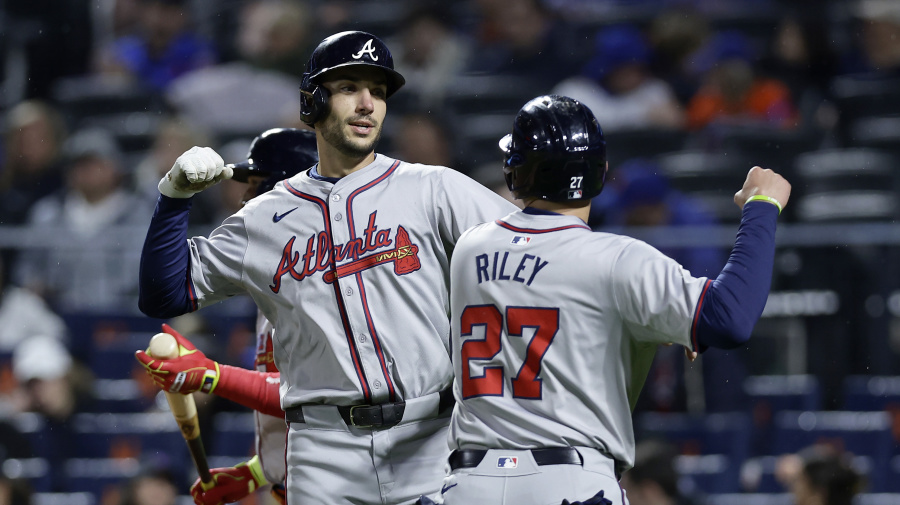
(195, 170)
(764, 182)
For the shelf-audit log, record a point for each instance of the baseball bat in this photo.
(164, 346)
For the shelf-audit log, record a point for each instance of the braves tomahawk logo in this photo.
(320, 254)
(367, 48)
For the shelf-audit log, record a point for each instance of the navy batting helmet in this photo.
(277, 154)
(342, 50)
(556, 151)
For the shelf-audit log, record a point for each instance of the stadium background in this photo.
(815, 96)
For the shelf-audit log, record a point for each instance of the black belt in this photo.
(469, 458)
(383, 415)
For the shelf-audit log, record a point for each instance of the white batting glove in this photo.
(195, 170)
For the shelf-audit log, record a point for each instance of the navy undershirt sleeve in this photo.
(166, 261)
(736, 298)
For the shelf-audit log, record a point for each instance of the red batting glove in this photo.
(229, 484)
(190, 371)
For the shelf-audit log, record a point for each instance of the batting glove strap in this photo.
(210, 379)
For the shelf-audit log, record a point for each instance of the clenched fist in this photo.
(764, 182)
(229, 484)
(195, 170)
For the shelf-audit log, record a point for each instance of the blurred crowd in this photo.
(100, 96)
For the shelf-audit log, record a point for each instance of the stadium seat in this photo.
(35, 470)
(99, 475)
(114, 358)
(725, 434)
(864, 434)
(846, 185)
(702, 175)
(867, 392)
(770, 394)
(63, 499)
(750, 499)
(234, 434)
(153, 436)
(118, 396)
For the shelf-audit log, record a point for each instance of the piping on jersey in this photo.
(537, 231)
(359, 280)
(696, 323)
(345, 320)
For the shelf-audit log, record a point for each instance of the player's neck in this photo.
(581, 210)
(333, 163)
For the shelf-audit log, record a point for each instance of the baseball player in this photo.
(350, 261)
(554, 327)
(274, 155)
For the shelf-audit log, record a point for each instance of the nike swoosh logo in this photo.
(277, 218)
(447, 488)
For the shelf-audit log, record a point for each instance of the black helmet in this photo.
(556, 151)
(342, 50)
(278, 153)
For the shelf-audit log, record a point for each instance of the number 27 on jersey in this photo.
(526, 384)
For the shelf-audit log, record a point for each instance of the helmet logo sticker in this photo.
(367, 48)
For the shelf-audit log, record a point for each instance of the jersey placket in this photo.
(351, 290)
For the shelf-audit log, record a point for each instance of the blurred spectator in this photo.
(617, 86)
(31, 166)
(524, 38)
(732, 92)
(150, 487)
(653, 480)
(24, 314)
(801, 54)
(423, 138)
(42, 41)
(880, 33)
(643, 197)
(819, 475)
(15, 492)
(175, 136)
(277, 35)
(429, 54)
(94, 226)
(53, 385)
(675, 35)
(244, 97)
(163, 49)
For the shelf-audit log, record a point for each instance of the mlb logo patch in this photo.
(507, 462)
(518, 240)
(575, 194)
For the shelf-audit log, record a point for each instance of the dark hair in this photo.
(654, 461)
(833, 477)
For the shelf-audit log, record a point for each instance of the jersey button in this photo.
(338, 216)
(377, 384)
(335, 198)
(361, 338)
(348, 291)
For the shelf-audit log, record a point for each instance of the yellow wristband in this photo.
(257, 471)
(764, 198)
(210, 379)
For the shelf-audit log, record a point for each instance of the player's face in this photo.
(252, 192)
(357, 108)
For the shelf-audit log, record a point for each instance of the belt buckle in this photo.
(353, 421)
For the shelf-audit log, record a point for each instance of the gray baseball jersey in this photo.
(375, 328)
(271, 431)
(554, 328)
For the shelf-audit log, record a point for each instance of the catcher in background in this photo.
(274, 155)
(554, 327)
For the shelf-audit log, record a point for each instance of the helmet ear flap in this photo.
(313, 101)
